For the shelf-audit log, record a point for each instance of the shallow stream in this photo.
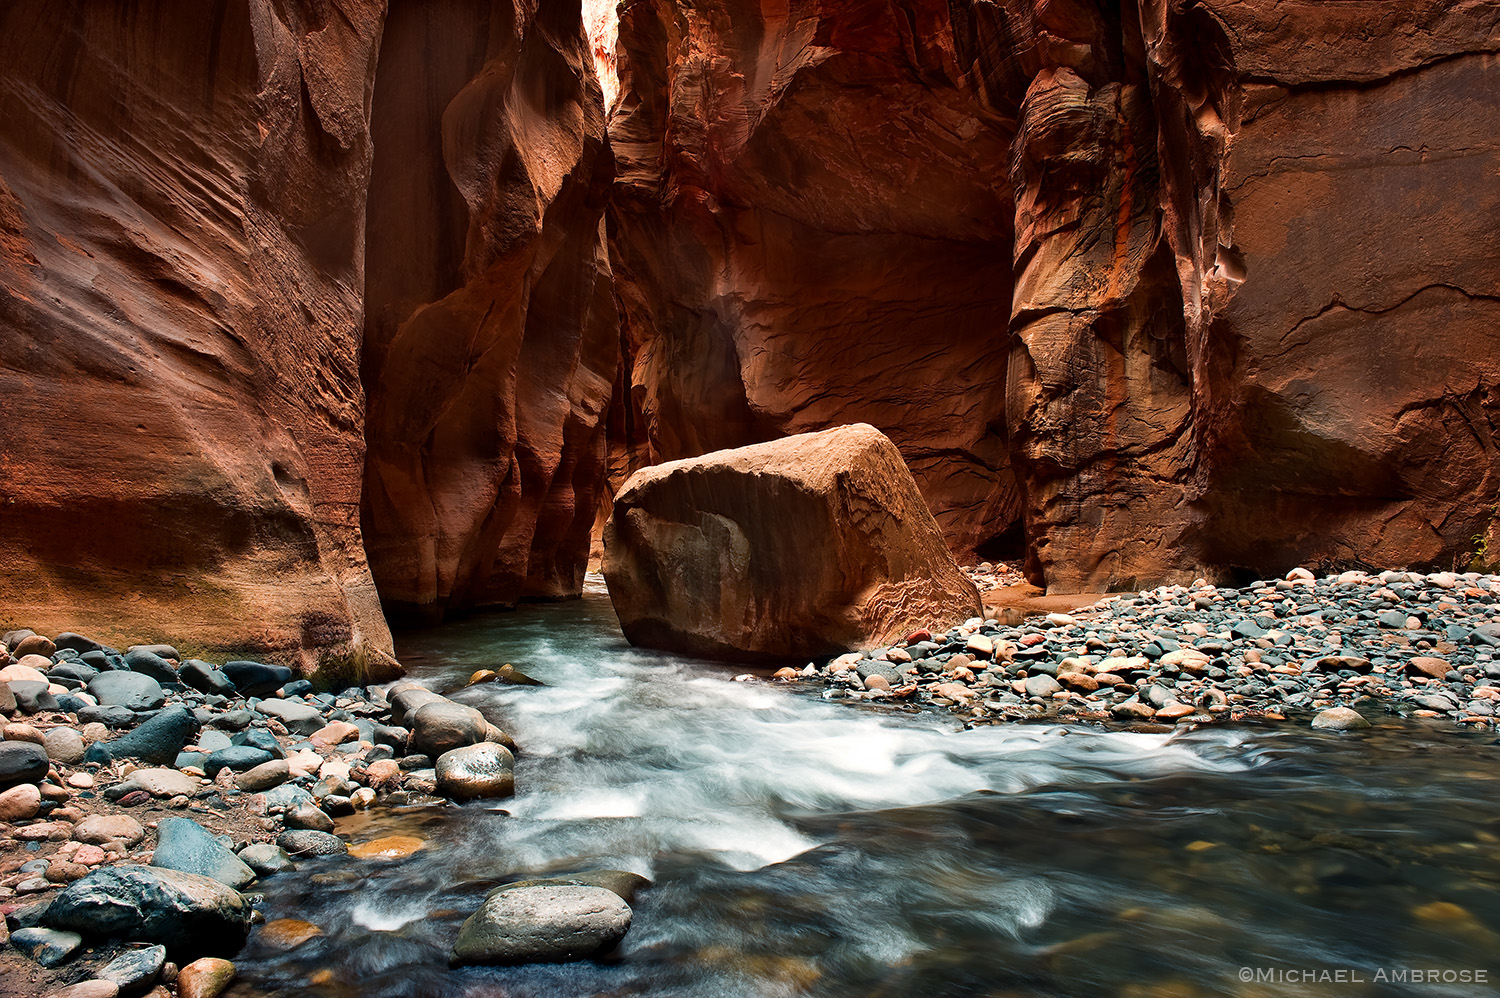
(807, 848)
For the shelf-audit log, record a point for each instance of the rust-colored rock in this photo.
(491, 331)
(811, 226)
(1253, 320)
(804, 546)
(182, 200)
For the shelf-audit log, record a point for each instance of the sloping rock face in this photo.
(182, 193)
(491, 334)
(804, 546)
(1246, 312)
(222, 228)
(811, 226)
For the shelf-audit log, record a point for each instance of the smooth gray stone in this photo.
(127, 689)
(308, 842)
(184, 845)
(136, 970)
(48, 947)
(543, 924)
(21, 762)
(299, 718)
(266, 859)
(147, 663)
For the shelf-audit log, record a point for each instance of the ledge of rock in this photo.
(798, 547)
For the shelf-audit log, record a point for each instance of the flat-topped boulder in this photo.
(805, 546)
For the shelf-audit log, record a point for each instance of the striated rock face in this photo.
(491, 333)
(804, 546)
(811, 226)
(222, 229)
(1328, 197)
(182, 198)
(1230, 261)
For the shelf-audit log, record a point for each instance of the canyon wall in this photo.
(223, 226)
(811, 226)
(491, 336)
(182, 201)
(1143, 292)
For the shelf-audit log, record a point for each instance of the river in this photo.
(800, 847)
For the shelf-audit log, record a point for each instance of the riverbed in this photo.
(798, 846)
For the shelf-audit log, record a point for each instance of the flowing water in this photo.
(799, 847)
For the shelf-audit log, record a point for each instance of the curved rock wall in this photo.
(491, 333)
(223, 226)
(182, 196)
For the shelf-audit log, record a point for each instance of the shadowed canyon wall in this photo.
(216, 217)
(811, 226)
(491, 333)
(1231, 263)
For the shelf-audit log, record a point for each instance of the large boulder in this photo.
(187, 913)
(804, 546)
(542, 924)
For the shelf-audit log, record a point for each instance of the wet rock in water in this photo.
(622, 882)
(48, 947)
(136, 970)
(309, 842)
(407, 697)
(542, 925)
(127, 689)
(804, 546)
(439, 727)
(308, 816)
(265, 859)
(287, 933)
(205, 978)
(476, 771)
(254, 679)
(183, 911)
(182, 844)
(157, 740)
(64, 745)
(388, 847)
(20, 802)
(101, 829)
(21, 762)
